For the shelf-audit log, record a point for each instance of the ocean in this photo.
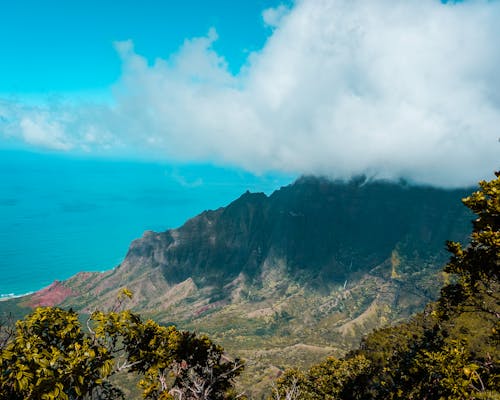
(61, 215)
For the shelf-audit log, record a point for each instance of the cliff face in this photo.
(287, 278)
(323, 230)
(315, 233)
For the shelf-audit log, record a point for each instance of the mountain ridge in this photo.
(316, 232)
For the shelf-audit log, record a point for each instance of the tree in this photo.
(50, 356)
(180, 364)
(327, 380)
(480, 261)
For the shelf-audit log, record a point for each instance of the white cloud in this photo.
(272, 16)
(387, 88)
(39, 131)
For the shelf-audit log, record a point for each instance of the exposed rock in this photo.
(50, 296)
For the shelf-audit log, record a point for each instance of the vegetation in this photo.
(49, 356)
(450, 351)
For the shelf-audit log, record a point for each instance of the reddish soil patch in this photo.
(52, 295)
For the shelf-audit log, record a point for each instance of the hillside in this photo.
(285, 279)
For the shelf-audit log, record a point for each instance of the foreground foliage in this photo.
(451, 351)
(49, 356)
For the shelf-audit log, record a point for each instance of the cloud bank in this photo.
(388, 88)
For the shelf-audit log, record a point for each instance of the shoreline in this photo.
(9, 296)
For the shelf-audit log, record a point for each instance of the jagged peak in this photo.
(249, 196)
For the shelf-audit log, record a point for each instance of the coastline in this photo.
(9, 296)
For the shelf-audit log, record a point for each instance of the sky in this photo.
(390, 89)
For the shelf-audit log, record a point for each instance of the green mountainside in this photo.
(287, 279)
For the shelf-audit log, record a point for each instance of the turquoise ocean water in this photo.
(59, 216)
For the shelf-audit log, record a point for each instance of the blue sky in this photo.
(55, 46)
(339, 88)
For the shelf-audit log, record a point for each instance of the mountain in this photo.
(285, 279)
